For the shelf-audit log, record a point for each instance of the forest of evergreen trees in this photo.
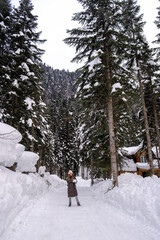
(84, 117)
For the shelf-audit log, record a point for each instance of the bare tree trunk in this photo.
(157, 153)
(112, 141)
(87, 172)
(39, 160)
(37, 165)
(82, 172)
(145, 120)
(157, 129)
(92, 169)
(14, 109)
(32, 142)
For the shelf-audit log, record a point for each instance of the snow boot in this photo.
(69, 205)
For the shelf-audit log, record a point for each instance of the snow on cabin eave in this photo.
(130, 150)
(141, 165)
(156, 151)
(127, 165)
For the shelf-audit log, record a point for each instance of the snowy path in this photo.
(52, 219)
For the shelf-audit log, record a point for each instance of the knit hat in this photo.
(70, 171)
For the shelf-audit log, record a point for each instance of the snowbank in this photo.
(83, 183)
(27, 162)
(12, 152)
(18, 191)
(9, 133)
(54, 181)
(135, 195)
(15, 192)
(9, 137)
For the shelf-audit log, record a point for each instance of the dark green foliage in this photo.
(157, 22)
(102, 34)
(59, 86)
(5, 35)
(23, 103)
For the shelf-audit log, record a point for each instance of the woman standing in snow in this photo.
(72, 191)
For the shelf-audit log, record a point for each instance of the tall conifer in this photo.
(5, 58)
(100, 42)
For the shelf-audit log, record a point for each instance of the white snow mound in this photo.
(8, 132)
(137, 196)
(27, 162)
(19, 191)
(15, 192)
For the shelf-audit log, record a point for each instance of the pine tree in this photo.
(25, 107)
(101, 43)
(26, 74)
(157, 22)
(156, 89)
(136, 54)
(5, 35)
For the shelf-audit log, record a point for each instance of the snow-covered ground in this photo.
(36, 208)
(19, 191)
(137, 196)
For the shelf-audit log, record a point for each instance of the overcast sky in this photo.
(54, 17)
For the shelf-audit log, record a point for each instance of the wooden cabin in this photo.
(134, 160)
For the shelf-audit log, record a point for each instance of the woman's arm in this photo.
(75, 180)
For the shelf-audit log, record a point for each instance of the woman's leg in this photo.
(78, 203)
(69, 201)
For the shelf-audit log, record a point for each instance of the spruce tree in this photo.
(5, 78)
(25, 107)
(26, 74)
(136, 59)
(157, 22)
(156, 88)
(101, 43)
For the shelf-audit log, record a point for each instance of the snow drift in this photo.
(19, 191)
(12, 152)
(137, 196)
(9, 138)
(27, 162)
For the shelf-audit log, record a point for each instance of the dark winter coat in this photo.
(72, 191)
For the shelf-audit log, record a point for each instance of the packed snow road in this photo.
(51, 219)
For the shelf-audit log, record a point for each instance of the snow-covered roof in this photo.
(155, 150)
(143, 165)
(155, 163)
(130, 150)
(128, 165)
(9, 133)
